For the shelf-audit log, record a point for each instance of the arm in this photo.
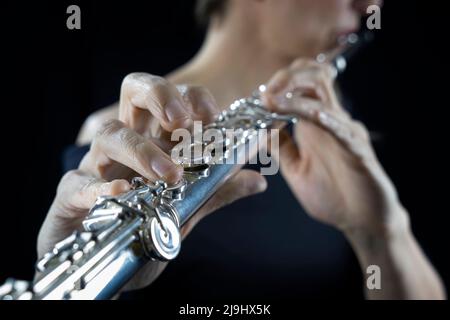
(406, 273)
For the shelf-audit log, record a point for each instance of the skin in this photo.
(329, 164)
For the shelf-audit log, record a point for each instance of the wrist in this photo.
(393, 230)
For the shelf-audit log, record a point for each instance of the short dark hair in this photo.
(205, 9)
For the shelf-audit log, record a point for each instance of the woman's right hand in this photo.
(135, 145)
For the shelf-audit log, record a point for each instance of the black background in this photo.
(53, 78)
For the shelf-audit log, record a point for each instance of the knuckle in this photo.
(159, 83)
(109, 127)
(70, 178)
(136, 147)
(160, 91)
(155, 86)
(127, 139)
(136, 76)
(105, 131)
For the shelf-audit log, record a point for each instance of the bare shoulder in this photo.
(92, 124)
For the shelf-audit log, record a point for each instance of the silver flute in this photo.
(122, 234)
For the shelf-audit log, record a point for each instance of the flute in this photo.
(122, 234)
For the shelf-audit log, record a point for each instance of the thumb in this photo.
(243, 184)
(77, 192)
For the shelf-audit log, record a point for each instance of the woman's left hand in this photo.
(329, 164)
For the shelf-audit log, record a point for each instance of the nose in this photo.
(361, 5)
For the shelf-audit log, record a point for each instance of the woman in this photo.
(266, 247)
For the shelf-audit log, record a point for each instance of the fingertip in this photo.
(261, 184)
(120, 186)
(174, 175)
(114, 187)
(167, 170)
(253, 182)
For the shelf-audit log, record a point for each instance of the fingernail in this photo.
(166, 169)
(175, 111)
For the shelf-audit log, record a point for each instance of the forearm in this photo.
(405, 271)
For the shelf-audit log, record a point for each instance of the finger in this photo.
(118, 143)
(200, 103)
(312, 79)
(318, 78)
(278, 82)
(243, 184)
(285, 82)
(296, 102)
(79, 191)
(144, 96)
(351, 134)
(301, 73)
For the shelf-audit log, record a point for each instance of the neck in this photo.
(231, 64)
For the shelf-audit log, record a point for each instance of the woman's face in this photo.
(308, 27)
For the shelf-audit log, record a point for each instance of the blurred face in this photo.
(308, 27)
